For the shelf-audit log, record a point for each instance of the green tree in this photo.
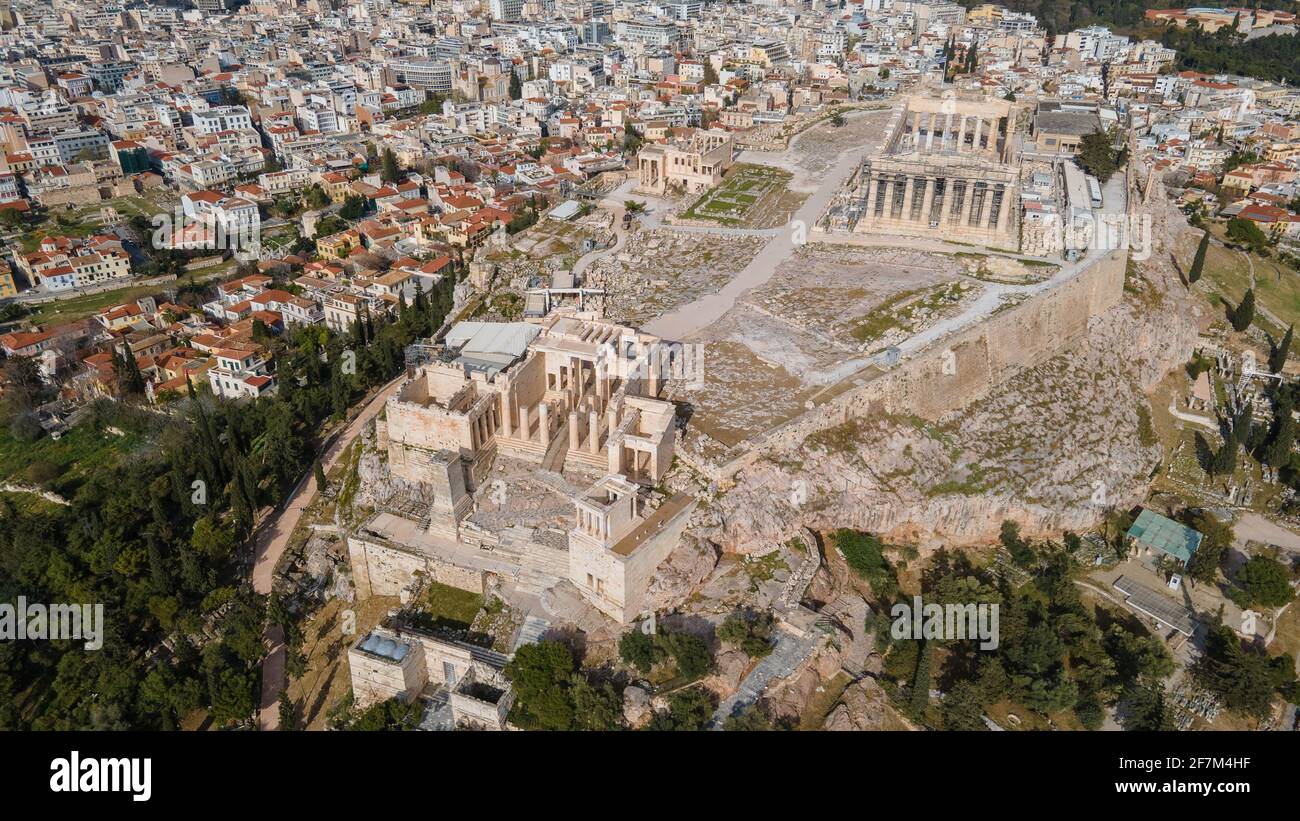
(24, 386)
(639, 650)
(353, 207)
(688, 710)
(1225, 459)
(1265, 581)
(319, 473)
(748, 630)
(1277, 359)
(1098, 156)
(1244, 679)
(595, 706)
(541, 673)
(1247, 233)
(1243, 423)
(1277, 453)
(1146, 709)
(919, 694)
(690, 653)
(130, 382)
(387, 716)
(962, 709)
(390, 170)
(751, 719)
(864, 555)
(316, 197)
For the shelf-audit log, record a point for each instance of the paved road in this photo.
(620, 239)
(273, 537)
(1252, 526)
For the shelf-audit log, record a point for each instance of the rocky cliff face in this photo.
(1051, 449)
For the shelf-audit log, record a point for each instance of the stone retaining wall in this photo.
(964, 367)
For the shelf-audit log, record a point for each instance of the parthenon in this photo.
(949, 169)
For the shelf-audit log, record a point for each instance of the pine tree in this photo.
(1278, 358)
(1245, 312)
(1198, 262)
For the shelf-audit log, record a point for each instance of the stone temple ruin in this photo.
(409, 664)
(949, 169)
(572, 397)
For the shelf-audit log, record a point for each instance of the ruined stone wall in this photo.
(383, 570)
(964, 367)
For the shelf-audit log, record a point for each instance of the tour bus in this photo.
(1094, 191)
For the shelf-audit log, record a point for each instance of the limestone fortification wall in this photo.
(964, 367)
(383, 570)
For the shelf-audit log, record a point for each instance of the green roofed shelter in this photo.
(1156, 532)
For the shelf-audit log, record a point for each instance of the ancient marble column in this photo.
(927, 204)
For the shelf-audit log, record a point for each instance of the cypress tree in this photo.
(1198, 262)
(1241, 425)
(1245, 313)
(1278, 451)
(919, 698)
(1225, 461)
(1278, 358)
(319, 473)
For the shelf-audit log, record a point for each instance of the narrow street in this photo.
(273, 537)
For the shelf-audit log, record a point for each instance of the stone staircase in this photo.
(540, 567)
(555, 482)
(530, 632)
(792, 593)
(559, 448)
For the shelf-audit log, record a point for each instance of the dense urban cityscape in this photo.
(648, 364)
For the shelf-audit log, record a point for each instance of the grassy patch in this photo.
(80, 452)
(972, 484)
(70, 310)
(903, 309)
(763, 568)
(740, 196)
(447, 606)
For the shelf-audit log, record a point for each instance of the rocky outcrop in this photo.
(1052, 448)
(865, 706)
(728, 671)
(787, 699)
(637, 708)
(376, 485)
(687, 566)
